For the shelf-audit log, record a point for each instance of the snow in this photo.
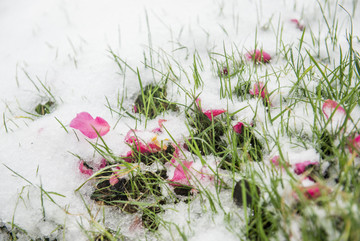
(65, 44)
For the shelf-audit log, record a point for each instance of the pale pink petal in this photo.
(258, 56)
(238, 127)
(212, 113)
(160, 122)
(330, 106)
(300, 168)
(85, 123)
(84, 169)
(181, 175)
(113, 180)
(298, 25)
(157, 130)
(275, 160)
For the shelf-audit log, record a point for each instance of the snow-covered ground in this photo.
(63, 47)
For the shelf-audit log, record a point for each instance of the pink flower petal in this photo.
(84, 169)
(259, 88)
(182, 175)
(258, 56)
(238, 127)
(103, 163)
(275, 160)
(330, 106)
(298, 25)
(87, 125)
(135, 110)
(354, 143)
(300, 168)
(212, 113)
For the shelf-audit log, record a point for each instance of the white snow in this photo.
(65, 44)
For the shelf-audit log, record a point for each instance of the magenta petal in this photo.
(300, 168)
(259, 88)
(275, 160)
(87, 125)
(258, 56)
(330, 106)
(180, 175)
(212, 113)
(84, 169)
(103, 163)
(238, 127)
(354, 143)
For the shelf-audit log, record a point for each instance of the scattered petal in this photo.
(238, 127)
(259, 88)
(298, 25)
(330, 106)
(212, 113)
(181, 175)
(87, 125)
(275, 160)
(258, 56)
(85, 169)
(103, 163)
(354, 144)
(301, 167)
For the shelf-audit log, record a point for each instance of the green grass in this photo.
(144, 189)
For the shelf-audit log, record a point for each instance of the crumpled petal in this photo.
(209, 113)
(181, 175)
(87, 125)
(212, 113)
(330, 106)
(238, 127)
(275, 160)
(258, 56)
(354, 143)
(300, 168)
(298, 25)
(259, 88)
(84, 169)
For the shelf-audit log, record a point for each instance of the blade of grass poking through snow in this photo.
(62, 125)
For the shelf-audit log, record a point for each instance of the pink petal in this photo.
(180, 175)
(103, 163)
(85, 170)
(238, 127)
(160, 122)
(86, 124)
(157, 130)
(354, 143)
(275, 160)
(300, 168)
(330, 106)
(258, 56)
(259, 88)
(212, 113)
(298, 25)
(135, 110)
(113, 180)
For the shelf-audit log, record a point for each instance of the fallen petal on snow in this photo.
(212, 113)
(181, 175)
(300, 168)
(87, 125)
(84, 169)
(354, 144)
(330, 106)
(258, 56)
(238, 127)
